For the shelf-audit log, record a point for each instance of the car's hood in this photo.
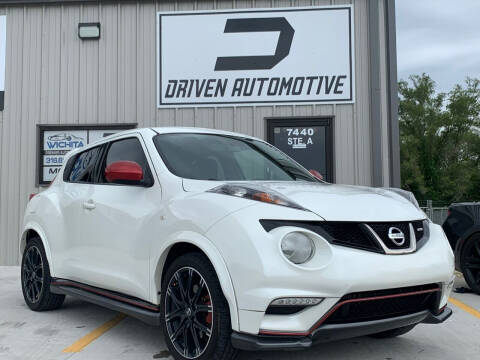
(336, 202)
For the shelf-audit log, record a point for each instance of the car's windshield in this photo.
(226, 158)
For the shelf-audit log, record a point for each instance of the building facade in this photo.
(75, 68)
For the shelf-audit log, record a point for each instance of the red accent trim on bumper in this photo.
(338, 305)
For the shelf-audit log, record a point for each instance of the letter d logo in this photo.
(262, 62)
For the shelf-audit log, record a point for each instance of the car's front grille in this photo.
(383, 230)
(351, 234)
(390, 292)
(419, 228)
(375, 236)
(383, 304)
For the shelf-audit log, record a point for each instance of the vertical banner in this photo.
(263, 56)
(3, 48)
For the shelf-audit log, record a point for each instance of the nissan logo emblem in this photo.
(396, 235)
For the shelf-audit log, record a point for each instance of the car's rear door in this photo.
(123, 219)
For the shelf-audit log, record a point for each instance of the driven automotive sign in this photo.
(294, 55)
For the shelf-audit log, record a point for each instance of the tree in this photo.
(439, 140)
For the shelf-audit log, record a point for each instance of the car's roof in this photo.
(178, 129)
(473, 203)
(161, 130)
(171, 130)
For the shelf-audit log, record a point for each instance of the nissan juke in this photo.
(227, 243)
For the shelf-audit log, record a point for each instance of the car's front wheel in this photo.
(195, 315)
(35, 273)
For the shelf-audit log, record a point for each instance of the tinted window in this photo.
(128, 150)
(68, 168)
(84, 166)
(215, 157)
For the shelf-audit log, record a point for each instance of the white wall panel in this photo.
(11, 137)
(108, 70)
(51, 58)
(30, 110)
(88, 70)
(361, 115)
(384, 98)
(69, 65)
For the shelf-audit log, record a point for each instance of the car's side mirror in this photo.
(316, 174)
(124, 172)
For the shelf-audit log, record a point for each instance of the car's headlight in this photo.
(297, 247)
(406, 194)
(255, 192)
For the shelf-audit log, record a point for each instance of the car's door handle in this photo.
(89, 205)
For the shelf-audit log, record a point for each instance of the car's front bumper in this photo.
(328, 333)
(260, 273)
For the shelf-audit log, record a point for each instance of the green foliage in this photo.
(440, 140)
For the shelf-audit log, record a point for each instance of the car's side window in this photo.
(128, 149)
(68, 168)
(83, 168)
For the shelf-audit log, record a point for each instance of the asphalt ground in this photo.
(80, 331)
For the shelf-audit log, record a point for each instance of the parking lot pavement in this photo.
(28, 335)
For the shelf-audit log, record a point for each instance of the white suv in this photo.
(227, 243)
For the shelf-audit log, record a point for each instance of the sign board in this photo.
(308, 141)
(292, 55)
(56, 141)
(3, 49)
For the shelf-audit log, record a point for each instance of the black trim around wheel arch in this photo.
(327, 333)
(146, 312)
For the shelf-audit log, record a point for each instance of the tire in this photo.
(195, 310)
(470, 263)
(35, 275)
(393, 333)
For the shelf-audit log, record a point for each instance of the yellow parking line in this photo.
(465, 307)
(95, 334)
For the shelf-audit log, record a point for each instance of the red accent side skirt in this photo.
(106, 294)
(338, 305)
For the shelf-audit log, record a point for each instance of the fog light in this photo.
(297, 247)
(295, 301)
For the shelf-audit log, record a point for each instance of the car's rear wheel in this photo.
(195, 315)
(35, 273)
(393, 332)
(470, 262)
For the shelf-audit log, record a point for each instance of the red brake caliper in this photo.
(208, 318)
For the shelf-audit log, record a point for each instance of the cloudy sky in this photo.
(440, 38)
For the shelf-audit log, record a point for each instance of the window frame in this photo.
(103, 156)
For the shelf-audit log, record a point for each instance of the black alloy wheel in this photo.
(471, 263)
(188, 312)
(196, 322)
(33, 274)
